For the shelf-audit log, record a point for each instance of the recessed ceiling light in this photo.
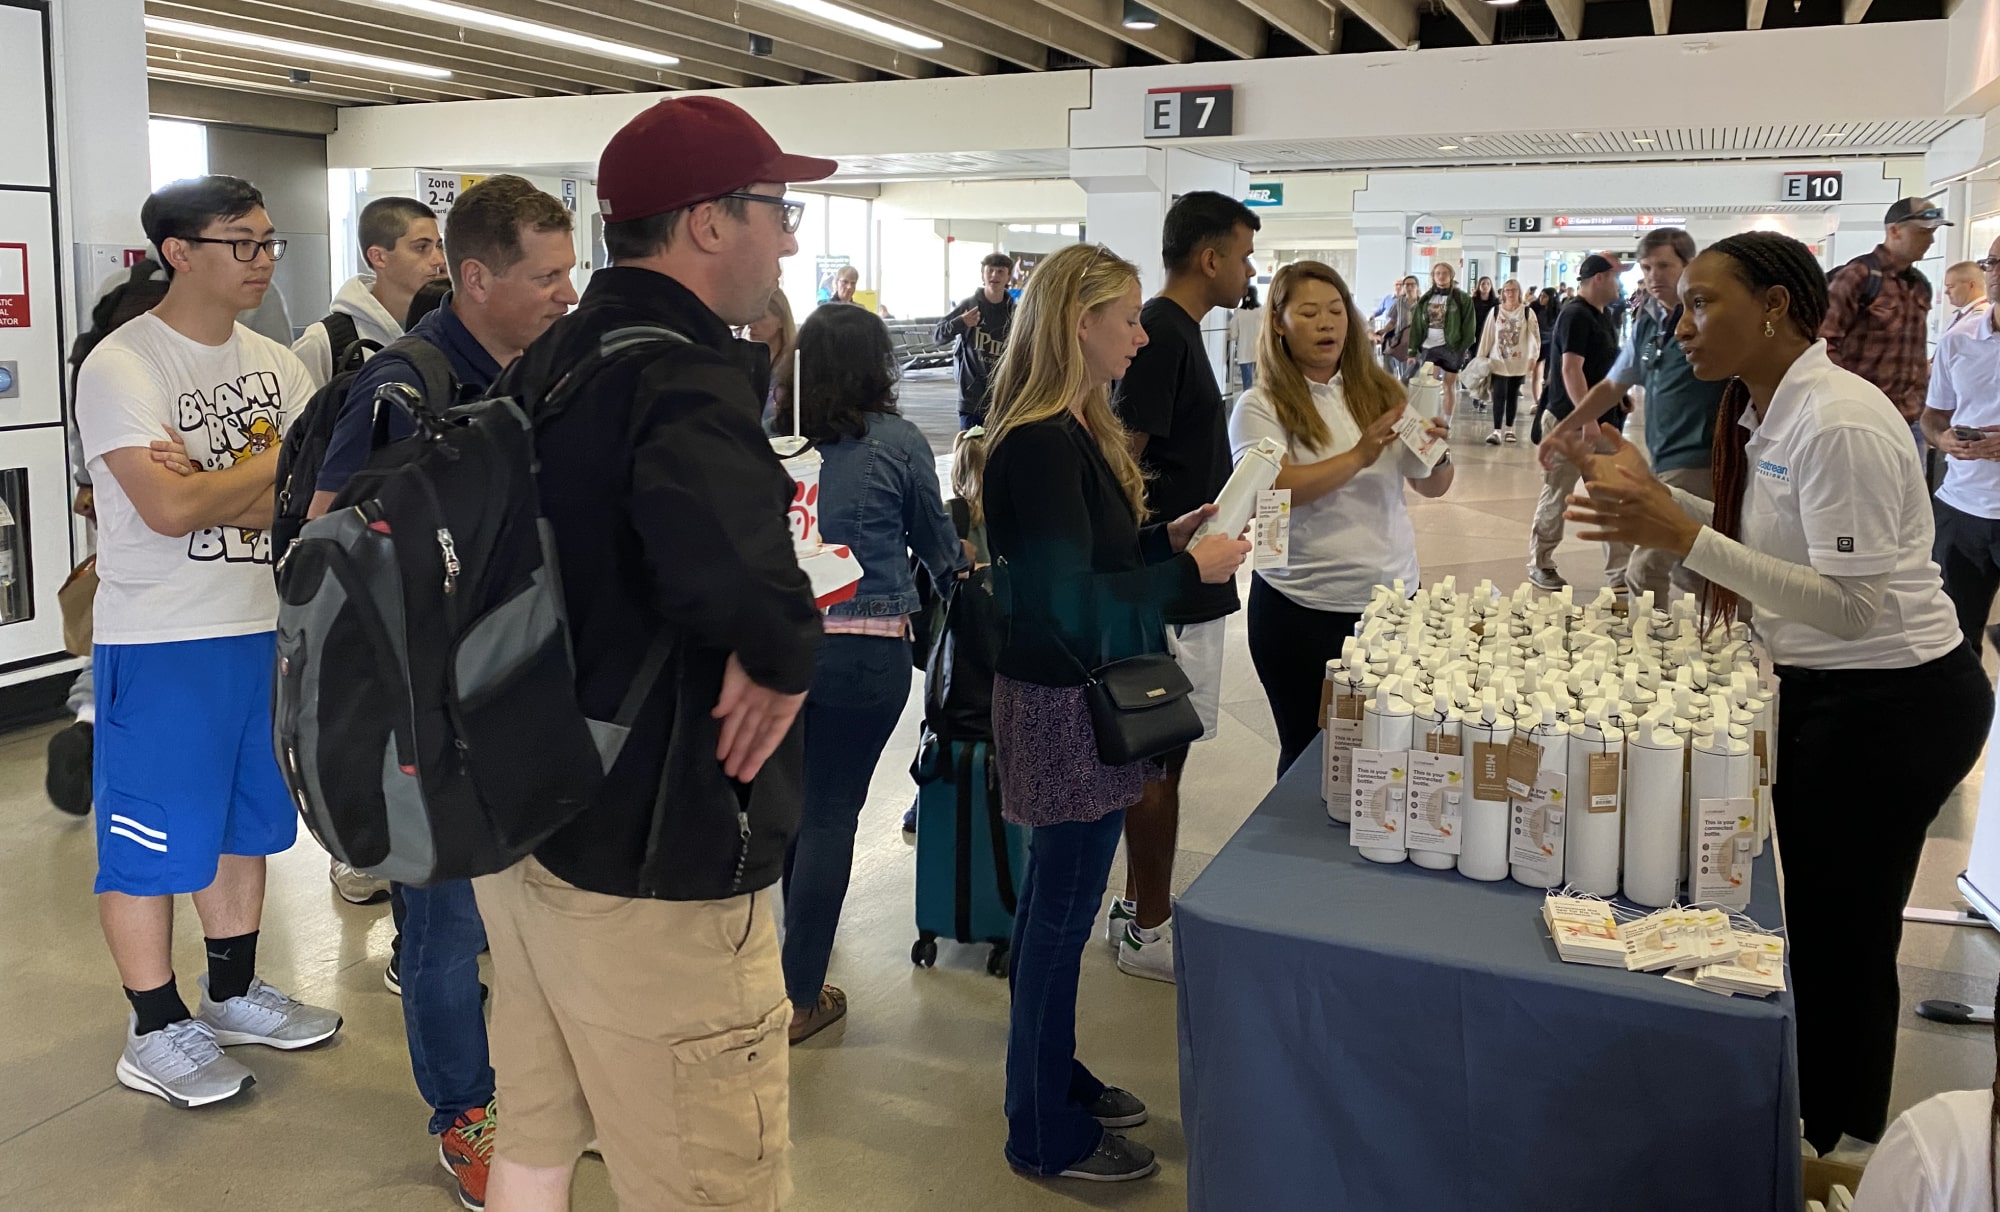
(1642, 139)
(1138, 16)
(1833, 134)
(1447, 147)
(534, 31)
(282, 46)
(847, 18)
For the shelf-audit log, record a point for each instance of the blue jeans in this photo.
(441, 936)
(1248, 370)
(858, 692)
(1049, 1092)
(966, 421)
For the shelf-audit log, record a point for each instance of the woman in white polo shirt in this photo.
(1321, 395)
(1821, 522)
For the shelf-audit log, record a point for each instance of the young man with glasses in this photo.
(181, 412)
(1962, 420)
(638, 993)
(1878, 307)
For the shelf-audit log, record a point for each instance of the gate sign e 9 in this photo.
(1191, 112)
(1811, 187)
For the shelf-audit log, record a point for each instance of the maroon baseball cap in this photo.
(687, 150)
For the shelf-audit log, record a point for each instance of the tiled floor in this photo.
(897, 1110)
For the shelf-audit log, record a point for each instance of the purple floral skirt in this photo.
(1047, 751)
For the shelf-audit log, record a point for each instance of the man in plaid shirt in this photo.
(1879, 306)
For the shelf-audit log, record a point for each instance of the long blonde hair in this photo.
(1370, 391)
(1043, 368)
(968, 470)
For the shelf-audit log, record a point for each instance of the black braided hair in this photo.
(1761, 260)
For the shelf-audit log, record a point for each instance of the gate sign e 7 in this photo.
(1810, 187)
(1196, 111)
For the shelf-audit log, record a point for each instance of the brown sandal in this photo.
(830, 1009)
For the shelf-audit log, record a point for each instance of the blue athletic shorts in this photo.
(184, 767)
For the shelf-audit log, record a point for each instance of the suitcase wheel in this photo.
(996, 960)
(923, 952)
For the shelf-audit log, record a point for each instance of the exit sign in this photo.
(1197, 111)
(1810, 187)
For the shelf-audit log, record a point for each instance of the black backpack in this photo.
(304, 448)
(348, 347)
(426, 718)
(140, 292)
(1872, 288)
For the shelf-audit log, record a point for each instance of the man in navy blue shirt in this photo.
(511, 255)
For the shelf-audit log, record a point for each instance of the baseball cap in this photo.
(1917, 210)
(1593, 265)
(686, 150)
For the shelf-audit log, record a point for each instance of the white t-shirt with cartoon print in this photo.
(226, 402)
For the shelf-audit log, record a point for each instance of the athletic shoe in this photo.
(1115, 1160)
(1117, 1108)
(1512, 437)
(1121, 911)
(1152, 958)
(181, 1063)
(69, 773)
(1545, 578)
(910, 819)
(466, 1153)
(356, 888)
(265, 1016)
(392, 974)
(1493, 439)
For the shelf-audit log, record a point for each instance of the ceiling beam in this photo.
(503, 61)
(234, 107)
(783, 25)
(1569, 17)
(267, 83)
(1395, 20)
(1852, 11)
(1224, 22)
(1479, 18)
(653, 18)
(965, 40)
(1047, 25)
(1308, 21)
(1663, 16)
(1754, 15)
(253, 66)
(1168, 42)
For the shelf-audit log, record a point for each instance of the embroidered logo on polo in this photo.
(1774, 471)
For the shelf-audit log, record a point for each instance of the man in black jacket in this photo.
(638, 993)
(979, 327)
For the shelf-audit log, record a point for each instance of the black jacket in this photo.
(668, 508)
(976, 351)
(1082, 583)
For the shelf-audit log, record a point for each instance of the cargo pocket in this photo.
(730, 1098)
(506, 665)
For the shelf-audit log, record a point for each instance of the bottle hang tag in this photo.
(1436, 802)
(1604, 780)
(1377, 804)
(1271, 530)
(1524, 762)
(1489, 772)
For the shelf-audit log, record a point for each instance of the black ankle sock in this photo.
(232, 962)
(157, 1008)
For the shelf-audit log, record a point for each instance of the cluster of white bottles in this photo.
(1584, 734)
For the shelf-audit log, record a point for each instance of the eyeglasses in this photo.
(795, 212)
(1988, 264)
(245, 250)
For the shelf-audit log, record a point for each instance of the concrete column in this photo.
(1381, 252)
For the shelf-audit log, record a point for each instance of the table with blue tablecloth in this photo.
(1391, 1039)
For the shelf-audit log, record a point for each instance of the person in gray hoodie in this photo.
(401, 250)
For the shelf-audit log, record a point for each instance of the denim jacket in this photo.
(878, 495)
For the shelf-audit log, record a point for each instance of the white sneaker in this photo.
(1121, 911)
(1493, 439)
(356, 888)
(180, 1063)
(1148, 953)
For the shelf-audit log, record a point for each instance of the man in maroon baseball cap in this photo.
(639, 997)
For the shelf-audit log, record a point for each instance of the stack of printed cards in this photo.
(1757, 970)
(1584, 930)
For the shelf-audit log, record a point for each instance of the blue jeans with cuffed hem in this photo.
(1049, 1092)
(442, 936)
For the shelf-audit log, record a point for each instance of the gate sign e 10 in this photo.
(1193, 112)
(1810, 187)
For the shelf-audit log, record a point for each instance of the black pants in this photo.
(1866, 757)
(1290, 645)
(1967, 551)
(1506, 399)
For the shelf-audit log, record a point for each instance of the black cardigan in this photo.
(1083, 582)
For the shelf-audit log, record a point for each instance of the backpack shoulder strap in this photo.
(613, 346)
(341, 334)
(440, 383)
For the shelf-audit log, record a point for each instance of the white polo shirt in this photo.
(1834, 483)
(1965, 382)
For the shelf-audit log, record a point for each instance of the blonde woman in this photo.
(1064, 505)
(1511, 341)
(1321, 395)
(781, 333)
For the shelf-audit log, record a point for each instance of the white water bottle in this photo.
(1484, 855)
(1596, 829)
(1387, 721)
(1554, 739)
(1256, 471)
(1443, 722)
(1655, 793)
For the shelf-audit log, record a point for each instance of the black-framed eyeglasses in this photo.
(1988, 264)
(245, 250)
(795, 212)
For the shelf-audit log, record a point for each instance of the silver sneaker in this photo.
(356, 888)
(180, 1063)
(265, 1016)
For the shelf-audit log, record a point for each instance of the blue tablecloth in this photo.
(1391, 1039)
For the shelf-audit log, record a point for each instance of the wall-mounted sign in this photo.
(1524, 225)
(1810, 187)
(569, 194)
(13, 285)
(1615, 222)
(1265, 193)
(440, 190)
(1196, 111)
